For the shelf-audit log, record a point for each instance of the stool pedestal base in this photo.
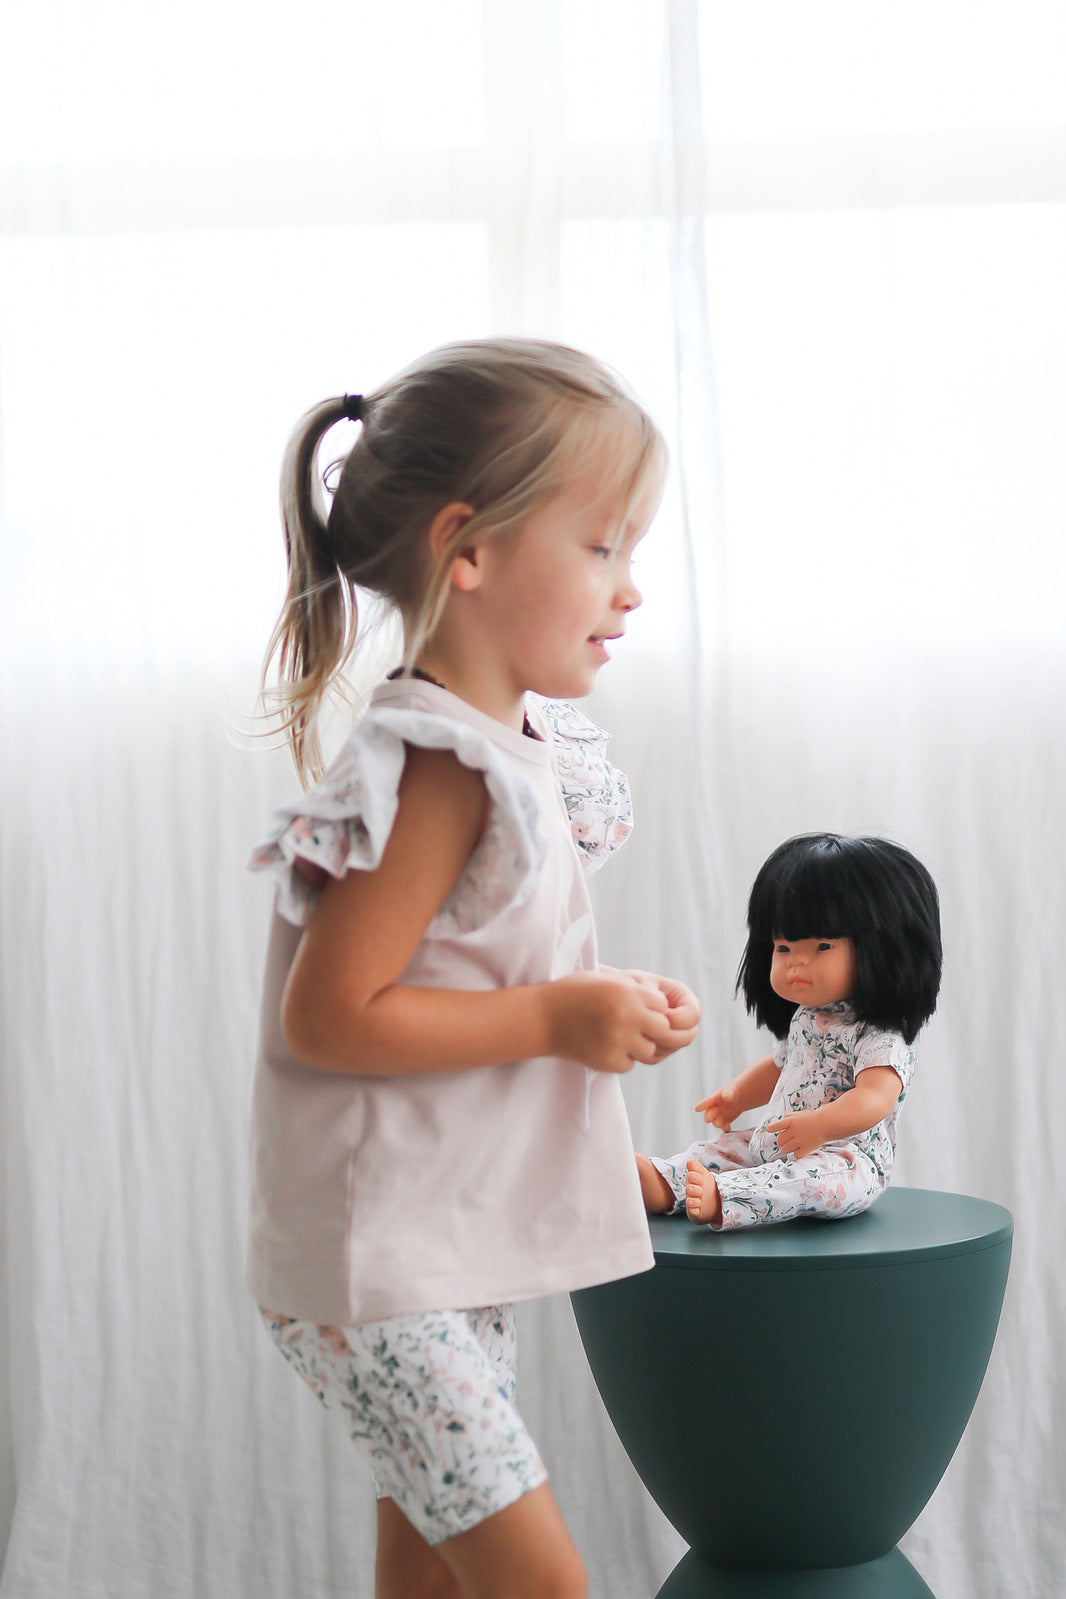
(891, 1577)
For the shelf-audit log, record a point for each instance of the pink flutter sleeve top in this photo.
(382, 1196)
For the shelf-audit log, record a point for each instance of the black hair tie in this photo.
(353, 407)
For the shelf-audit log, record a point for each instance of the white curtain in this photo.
(827, 241)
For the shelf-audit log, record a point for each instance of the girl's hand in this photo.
(607, 1020)
(797, 1133)
(683, 1009)
(720, 1108)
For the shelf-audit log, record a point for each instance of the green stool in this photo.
(792, 1395)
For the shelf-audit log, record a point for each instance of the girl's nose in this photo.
(629, 596)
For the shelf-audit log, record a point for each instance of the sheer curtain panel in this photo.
(827, 243)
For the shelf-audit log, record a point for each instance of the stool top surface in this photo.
(905, 1224)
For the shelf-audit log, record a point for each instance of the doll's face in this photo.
(813, 971)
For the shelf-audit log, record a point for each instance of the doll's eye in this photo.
(601, 550)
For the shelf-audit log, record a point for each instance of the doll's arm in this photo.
(345, 1009)
(683, 1009)
(748, 1091)
(876, 1090)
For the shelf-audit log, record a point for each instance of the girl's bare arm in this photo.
(344, 1010)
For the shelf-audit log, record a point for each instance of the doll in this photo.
(843, 965)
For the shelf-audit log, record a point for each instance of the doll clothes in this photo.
(821, 1059)
(520, 1179)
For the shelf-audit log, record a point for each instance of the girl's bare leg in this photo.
(522, 1552)
(407, 1567)
(656, 1192)
(702, 1200)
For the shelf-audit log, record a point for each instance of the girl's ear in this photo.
(445, 544)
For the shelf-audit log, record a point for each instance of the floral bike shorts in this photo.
(430, 1400)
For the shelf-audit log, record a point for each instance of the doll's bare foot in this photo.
(656, 1192)
(703, 1202)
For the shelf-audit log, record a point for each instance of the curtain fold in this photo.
(841, 295)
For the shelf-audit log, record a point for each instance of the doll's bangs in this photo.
(804, 895)
(824, 885)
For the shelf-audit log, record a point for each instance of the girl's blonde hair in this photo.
(496, 424)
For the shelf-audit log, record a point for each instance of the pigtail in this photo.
(496, 425)
(315, 632)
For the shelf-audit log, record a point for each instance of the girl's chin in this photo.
(567, 686)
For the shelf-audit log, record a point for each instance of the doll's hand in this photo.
(797, 1133)
(720, 1107)
(683, 1010)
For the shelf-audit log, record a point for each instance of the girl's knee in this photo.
(567, 1579)
(574, 1582)
(406, 1565)
(405, 1584)
(521, 1552)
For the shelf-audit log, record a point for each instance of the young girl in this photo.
(843, 966)
(438, 1124)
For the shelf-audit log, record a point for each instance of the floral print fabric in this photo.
(430, 1400)
(344, 821)
(834, 1181)
(597, 797)
(821, 1059)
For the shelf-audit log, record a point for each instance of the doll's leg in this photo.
(655, 1191)
(832, 1183)
(665, 1182)
(703, 1202)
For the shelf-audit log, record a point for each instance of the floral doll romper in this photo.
(821, 1059)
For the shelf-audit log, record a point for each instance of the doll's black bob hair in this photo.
(824, 885)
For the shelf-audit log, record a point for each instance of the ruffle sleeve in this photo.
(598, 801)
(344, 822)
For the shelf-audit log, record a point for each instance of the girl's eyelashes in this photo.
(602, 550)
